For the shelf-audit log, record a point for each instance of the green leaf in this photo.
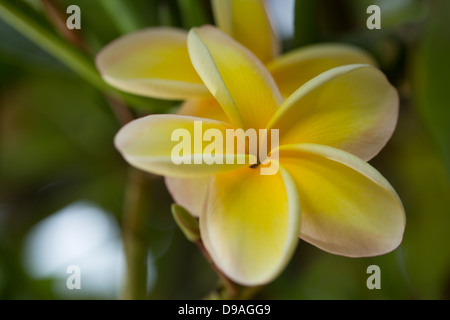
(125, 14)
(431, 69)
(418, 174)
(45, 37)
(187, 223)
(15, 49)
(193, 13)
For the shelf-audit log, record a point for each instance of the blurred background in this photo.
(64, 188)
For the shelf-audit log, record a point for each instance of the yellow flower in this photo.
(250, 223)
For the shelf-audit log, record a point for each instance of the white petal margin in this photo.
(250, 224)
(147, 144)
(190, 193)
(152, 62)
(348, 207)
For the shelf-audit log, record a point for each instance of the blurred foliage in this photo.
(431, 79)
(57, 130)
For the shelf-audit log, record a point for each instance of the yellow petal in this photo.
(149, 143)
(247, 22)
(348, 208)
(352, 107)
(152, 62)
(203, 108)
(250, 224)
(189, 193)
(235, 77)
(293, 69)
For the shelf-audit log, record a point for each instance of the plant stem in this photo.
(50, 42)
(135, 245)
(72, 58)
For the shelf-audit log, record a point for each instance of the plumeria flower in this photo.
(328, 127)
(155, 62)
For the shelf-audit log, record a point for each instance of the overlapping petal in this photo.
(294, 68)
(148, 144)
(235, 77)
(353, 108)
(153, 62)
(247, 22)
(251, 239)
(189, 193)
(348, 208)
(204, 108)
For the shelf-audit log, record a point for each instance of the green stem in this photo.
(73, 58)
(52, 43)
(135, 244)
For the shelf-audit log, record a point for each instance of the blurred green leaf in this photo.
(431, 70)
(305, 22)
(20, 51)
(169, 14)
(49, 121)
(45, 37)
(97, 26)
(187, 223)
(423, 186)
(394, 13)
(193, 13)
(25, 21)
(317, 275)
(128, 16)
